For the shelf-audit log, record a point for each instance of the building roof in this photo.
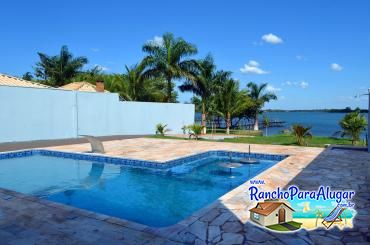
(6, 80)
(81, 86)
(266, 208)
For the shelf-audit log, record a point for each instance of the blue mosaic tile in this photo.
(140, 163)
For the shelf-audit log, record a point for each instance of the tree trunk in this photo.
(228, 123)
(169, 90)
(204, 122)
(255, 127)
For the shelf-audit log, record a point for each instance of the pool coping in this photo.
(134, 162)
(165, 232)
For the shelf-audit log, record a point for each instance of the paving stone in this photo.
(295, 241)
(232, 227)
(272, 242)
(255, 234)
(220, 220)
(199, 242)
(324, 240)
(210, 216)
(213, 232)
(231, 238)
(187, 238)
(199, 229)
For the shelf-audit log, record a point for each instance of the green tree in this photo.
(230, 100)
(301, 133)
(170, 59)
(266, 123)
(259, 97)
(353, 124)
(203, 86)
(135, 79)
(58, 70)
(27, 76)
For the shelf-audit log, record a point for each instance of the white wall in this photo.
(37, 114)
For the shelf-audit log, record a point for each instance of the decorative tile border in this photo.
(140, 163)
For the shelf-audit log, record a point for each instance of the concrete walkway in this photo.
(31, 220)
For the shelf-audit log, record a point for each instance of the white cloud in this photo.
(253, 67)
(95, 50)
(272, 38)
(157, 40)
(271, 88)
(253, 63)
(336, 67)
(102, 68)
(301, 84)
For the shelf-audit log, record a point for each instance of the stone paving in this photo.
(25, 219)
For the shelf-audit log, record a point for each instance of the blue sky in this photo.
(313, 54)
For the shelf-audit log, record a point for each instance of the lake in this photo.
(322, 123)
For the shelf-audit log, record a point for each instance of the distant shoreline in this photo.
(317, 110)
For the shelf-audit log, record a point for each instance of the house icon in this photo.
(271, 212)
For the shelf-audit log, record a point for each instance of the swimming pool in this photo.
(150, 193)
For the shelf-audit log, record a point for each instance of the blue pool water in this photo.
(152, 197)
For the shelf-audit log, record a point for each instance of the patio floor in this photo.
(32, 220)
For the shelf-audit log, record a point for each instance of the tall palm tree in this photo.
(230, 100)
(259, 97)
(203, 85)
(135, 79)
(170, 59)
(59, 69)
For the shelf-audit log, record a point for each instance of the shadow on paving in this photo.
(14, 146)
(341, 170)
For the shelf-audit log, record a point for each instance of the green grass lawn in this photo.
(280, 139)
(295, 224)
(279, 227)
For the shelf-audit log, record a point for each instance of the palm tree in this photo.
(203, 85)
(319, 214)
(259, 97)
(59, 69)
(266, 123)
(168, 59)
(353, 124)
(27, 76)
(230, 100)
(301, 133)
(135, 79)
(195, 130)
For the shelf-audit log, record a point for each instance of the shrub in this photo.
(301, 133)
(352, 125)
(195, 130)
(161, 129)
